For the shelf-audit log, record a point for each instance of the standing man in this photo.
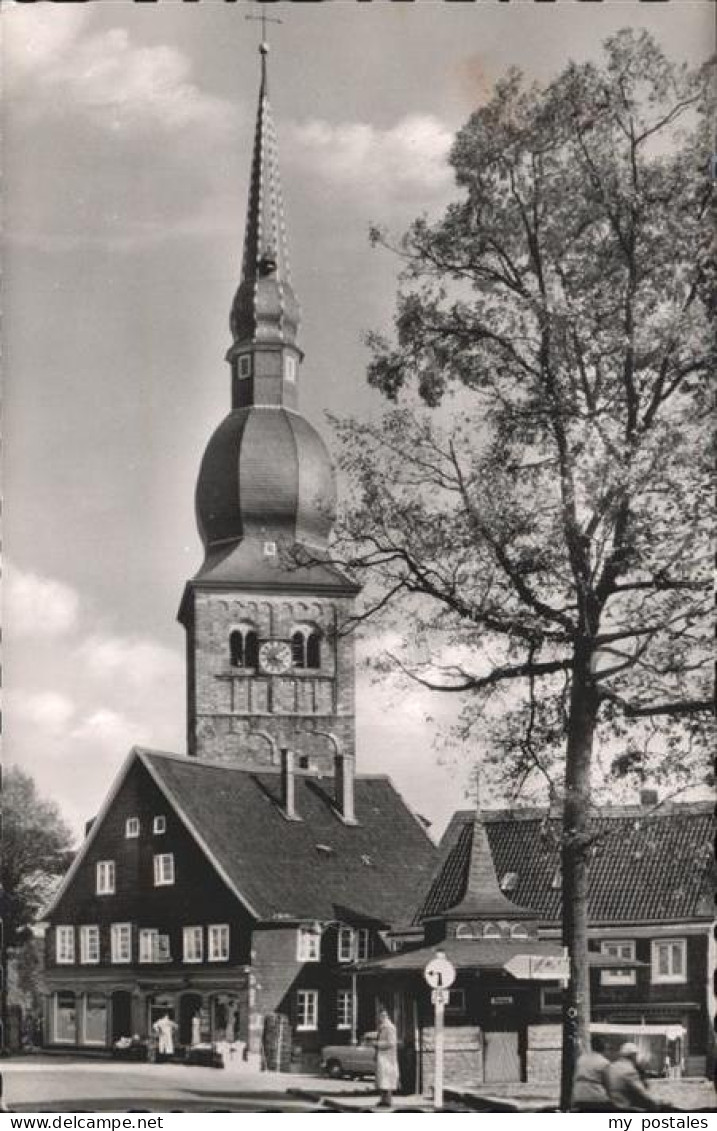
(165, 1029)
(386, 1059)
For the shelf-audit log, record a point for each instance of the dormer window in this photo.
(244, 647)
(306, 647)
(509, 882)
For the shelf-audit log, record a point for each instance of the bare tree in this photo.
(537, 504)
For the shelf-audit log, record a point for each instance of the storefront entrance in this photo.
(121, 1014)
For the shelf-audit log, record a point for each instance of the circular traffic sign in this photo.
(440, 973)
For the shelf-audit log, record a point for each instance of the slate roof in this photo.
(373, 870)
(646, 866)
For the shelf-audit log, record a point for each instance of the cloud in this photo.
(109, 729)
(134, 660)
(49, 712)
(38, 606)
(407, 159)
(104, 76)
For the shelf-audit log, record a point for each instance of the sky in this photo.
(126, 147)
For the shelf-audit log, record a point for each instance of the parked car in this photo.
(350, 1060)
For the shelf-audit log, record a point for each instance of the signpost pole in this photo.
(438, 1009)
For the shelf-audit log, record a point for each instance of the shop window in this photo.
(163, 869)
(307, 1009)
(65, 1018)
(344, 1009)
(105, 875)
(64, 945)
(618, 976)
(121, 942)
(193, 948)
(345, 944)
(94, 1020)
(89, 945)
(218, 942)
(308, 945)
(669, 960)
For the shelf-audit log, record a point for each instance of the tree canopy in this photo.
(537, 504)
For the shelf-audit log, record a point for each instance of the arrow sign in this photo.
(539, 967)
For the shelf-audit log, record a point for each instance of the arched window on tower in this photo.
(306, 647)
(244, 647)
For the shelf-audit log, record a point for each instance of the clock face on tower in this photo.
(275, 656)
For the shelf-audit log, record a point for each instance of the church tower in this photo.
(268, 669)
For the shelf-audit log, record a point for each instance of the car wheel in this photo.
(334, 1069)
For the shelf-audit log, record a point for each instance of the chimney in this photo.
(648, 798)
(344, 778)
(288, 785)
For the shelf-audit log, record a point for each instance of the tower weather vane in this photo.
(264, 21)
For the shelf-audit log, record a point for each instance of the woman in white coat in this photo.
(386, 1059)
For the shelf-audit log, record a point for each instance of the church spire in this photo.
(265, 313)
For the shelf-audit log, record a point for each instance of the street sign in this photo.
(539, 967)
(439, 972)
(439, 997)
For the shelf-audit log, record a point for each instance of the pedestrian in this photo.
(625, 1085)
(165, 1029)
(590, 1083)
(197, 1029)
(386, 1059)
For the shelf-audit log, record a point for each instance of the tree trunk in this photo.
(576, 833)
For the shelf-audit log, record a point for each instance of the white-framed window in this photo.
(159, 825)
(308, 944)
(465, 931)
(344, 1009)
(363, 943)
(193, 944)
(148, 944)
(245, 365)
(218, 942)
(105, 873)
(64, 945)
(491, 931)
(163, 869)
(617, 976)
(131, 828)
(121, 942)
(290, 368)
(89, 945)
(307, 1009)
(669, 960)
(345, 944)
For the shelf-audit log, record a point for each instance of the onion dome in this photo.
(266, 474)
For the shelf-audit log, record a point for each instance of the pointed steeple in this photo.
(265, 313)
(482, 897)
